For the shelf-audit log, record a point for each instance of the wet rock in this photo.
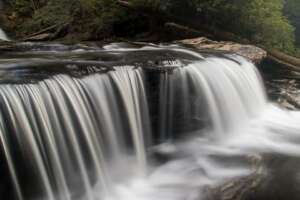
(273, 176)
(243, 187)
(286, 92)
(251, 52)
(282, 84)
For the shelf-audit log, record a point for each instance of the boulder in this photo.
(251, 52)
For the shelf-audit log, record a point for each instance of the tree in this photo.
(261, 21)
(292, 11)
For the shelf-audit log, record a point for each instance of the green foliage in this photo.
(106, 13)
(52, 13)
(292, 11)
(88, 18)
(261, 21)
(23, 7)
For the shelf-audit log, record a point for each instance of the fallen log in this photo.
(124, 3)
(291, 62)
(46, 33)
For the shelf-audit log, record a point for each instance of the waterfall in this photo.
(3, 35)
(231, 91)
(70, 128)
(90, 137)
(233, 95)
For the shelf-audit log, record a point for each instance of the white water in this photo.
(69, 125)
(3, 36)
(89, 138)
(243, 123)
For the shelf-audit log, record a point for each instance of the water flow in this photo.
(240, 126)
(89, 138)
(232, 91)
(68, 131)
(3, 36)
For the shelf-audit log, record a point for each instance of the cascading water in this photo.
(70, 128)
(92, 136)
(3, 35)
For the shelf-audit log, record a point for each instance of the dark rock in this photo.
(282, 84)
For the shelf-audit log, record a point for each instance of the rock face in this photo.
(251, 52)
(288, 94)
(282, 84)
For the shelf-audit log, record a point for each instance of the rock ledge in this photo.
(251, 52)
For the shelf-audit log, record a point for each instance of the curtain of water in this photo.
(228, 95)
(67, 138)
(233, 92)
(3, 35)
(67, 130)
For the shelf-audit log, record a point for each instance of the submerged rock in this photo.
(241, 188)
(251, 52)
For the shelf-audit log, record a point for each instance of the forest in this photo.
(274, 24)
